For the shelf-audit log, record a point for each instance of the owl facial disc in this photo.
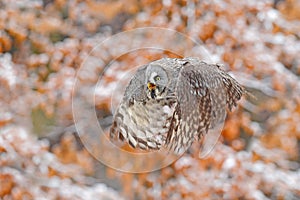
(156, 81)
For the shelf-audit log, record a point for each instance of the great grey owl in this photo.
(172, 102)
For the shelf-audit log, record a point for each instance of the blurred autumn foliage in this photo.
(42, 45)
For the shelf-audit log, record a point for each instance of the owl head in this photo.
(156, 81)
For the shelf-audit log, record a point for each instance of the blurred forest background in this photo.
(43, 43)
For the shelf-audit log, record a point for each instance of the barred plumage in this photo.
(172, 102)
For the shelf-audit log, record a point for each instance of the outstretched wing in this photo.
(202, 98)
(234, 91)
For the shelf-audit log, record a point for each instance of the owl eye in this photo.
(156, 78)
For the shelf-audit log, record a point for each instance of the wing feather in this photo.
(201, 103)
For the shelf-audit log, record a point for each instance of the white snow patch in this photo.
(184, 162)
(6, 69)
(229, 163)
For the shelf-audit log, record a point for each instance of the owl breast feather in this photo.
(146, 123)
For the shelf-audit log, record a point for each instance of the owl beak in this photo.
(151, 86)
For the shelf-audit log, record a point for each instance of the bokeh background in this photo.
(42, 45)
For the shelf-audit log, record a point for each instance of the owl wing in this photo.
(136, 85)
(119, 129)
(202, 98)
